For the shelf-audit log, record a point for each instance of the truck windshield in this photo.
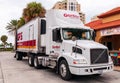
(79, 34)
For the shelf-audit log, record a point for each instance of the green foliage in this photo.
(4, 39)
(1, 44)
(33, 10)
(12, 26)
(7, 49)
(21, 22)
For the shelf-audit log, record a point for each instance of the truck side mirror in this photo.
(94, 35)
(56, 35)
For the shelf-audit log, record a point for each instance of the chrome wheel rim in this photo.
(16, 56)
(35, 62)
(29, 60)
(63, 70)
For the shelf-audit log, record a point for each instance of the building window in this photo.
(72, 8)
(65, 6)
(71, 4)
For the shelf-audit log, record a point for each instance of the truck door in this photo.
(56, 43)
(31, 37)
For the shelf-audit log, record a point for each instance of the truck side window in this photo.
(43, 26)
(56, 35)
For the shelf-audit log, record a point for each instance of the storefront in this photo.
(111, 38)
(107, 29)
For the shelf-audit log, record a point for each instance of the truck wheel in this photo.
(31, 60)
(36, 63)
(64, 70)
(19, 56)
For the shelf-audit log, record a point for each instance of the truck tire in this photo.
(97, 75)
(19, 56)
(36, 63)
(64, 70)
(31, 60)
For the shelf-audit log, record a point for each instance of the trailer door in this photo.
(31, 37)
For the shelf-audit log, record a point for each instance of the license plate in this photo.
(100, 71)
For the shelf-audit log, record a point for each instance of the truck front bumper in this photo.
(90, 70)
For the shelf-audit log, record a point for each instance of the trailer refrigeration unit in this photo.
(61, 41)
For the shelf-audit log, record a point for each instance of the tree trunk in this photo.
(15, 40)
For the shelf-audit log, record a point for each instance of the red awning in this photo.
(99, 25)
(109, 13)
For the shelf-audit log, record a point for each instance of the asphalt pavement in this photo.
(13, 71)
(1, 75)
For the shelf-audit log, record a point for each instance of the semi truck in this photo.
(62, 42)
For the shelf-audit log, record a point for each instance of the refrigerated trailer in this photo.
(61, 41)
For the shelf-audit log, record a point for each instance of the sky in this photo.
(12, 9)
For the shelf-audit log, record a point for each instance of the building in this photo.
(107, 28)
(94, 18)
(72, 5)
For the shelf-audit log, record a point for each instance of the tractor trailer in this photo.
(61, 41)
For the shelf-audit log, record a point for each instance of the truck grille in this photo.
(98, 56)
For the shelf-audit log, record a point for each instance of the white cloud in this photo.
(12, 9)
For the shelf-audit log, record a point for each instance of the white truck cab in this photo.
(66, 45)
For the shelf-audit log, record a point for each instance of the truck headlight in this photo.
(110, 59)
(79, 61)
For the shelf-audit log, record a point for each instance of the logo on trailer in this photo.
(71, 16)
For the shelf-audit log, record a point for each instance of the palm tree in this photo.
(12, 28)
(4, 39)
(21, 22)
(33, 10)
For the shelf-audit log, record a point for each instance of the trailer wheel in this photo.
(36, 63)
(31, 60)
(19, 56)
(64, 70)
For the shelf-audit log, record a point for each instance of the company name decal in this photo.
(19, 36)
(55, 47)
(71, 15)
